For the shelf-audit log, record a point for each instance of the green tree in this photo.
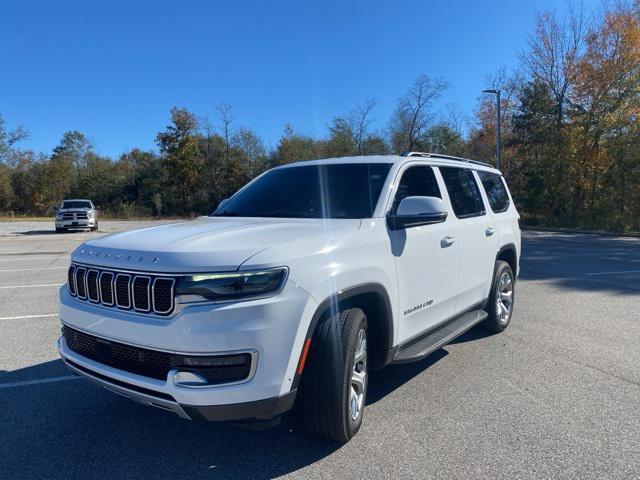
(179, 147)
(294, 147)
(341, 141)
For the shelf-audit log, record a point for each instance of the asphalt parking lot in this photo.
(557, 395)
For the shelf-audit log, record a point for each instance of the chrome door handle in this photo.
(489, 231)
(448, 240)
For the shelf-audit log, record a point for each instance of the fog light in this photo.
(199, 371)
(226, 361)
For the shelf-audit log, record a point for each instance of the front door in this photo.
(426, 260)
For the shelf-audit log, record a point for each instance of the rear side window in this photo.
(463, 192)
(495, 190)
(416, 181)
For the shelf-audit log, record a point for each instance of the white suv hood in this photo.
(205, 244)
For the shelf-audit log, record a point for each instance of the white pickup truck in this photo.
(76, 214)
(295, 288)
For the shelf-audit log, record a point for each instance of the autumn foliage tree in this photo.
(570, 137)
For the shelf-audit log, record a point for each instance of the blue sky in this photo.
(113, 69)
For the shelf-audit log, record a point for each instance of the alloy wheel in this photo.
(504, 297)
(358, 375)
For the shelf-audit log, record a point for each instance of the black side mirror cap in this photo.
(400, 222)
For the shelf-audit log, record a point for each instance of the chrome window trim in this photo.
(153, 296)
(97, 285)
(133, 297)
(84, 282)
(115, 290)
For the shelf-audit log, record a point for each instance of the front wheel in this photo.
(501, 299)
(334, 384)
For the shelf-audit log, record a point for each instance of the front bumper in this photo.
(85, 223)
(260, 410)
(274, 327)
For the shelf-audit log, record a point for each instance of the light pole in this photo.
(497, 94)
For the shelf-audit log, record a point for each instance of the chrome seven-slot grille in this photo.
(129, 291)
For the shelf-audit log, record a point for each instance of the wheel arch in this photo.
(374, 300)
(509, 253)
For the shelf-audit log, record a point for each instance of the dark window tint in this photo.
(348, 190)
(495, 190)
(463, 192)
(416, 181)
(75, 204)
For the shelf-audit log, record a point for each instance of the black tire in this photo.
(326, 382)
(60, 230)
(95, 228)
(497, 322)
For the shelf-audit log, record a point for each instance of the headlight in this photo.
(91, 214)
(233, 286)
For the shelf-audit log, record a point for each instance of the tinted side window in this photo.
(416, 181)
(495, 190)
(463, 192)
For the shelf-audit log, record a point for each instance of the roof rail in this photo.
(446, 157)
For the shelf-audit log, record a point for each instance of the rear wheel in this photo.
(334, 385)
(501, 299)
(59, 230)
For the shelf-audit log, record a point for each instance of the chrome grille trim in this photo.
(171, 296)
(133, 296)
(95, 299)
(112, 286)
(81, 285)
(115, 288)
(71, 280)
(140, 292)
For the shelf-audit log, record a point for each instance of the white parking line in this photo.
(39, 259)
(37, 382)
(556, 255)
(34, 269)
(45, 315)
(613, 273)
(30, 286)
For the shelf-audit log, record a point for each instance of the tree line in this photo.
(570, 130)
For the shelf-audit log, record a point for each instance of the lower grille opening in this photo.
(216, 369)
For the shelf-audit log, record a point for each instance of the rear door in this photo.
(504, 211)
(475, 234)
(426, 266)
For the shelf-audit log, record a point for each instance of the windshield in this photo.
(76, 204)
(349, 190)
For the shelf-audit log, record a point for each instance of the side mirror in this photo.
(417, 211)
(57, 209)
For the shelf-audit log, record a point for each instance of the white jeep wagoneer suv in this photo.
(295, 288)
